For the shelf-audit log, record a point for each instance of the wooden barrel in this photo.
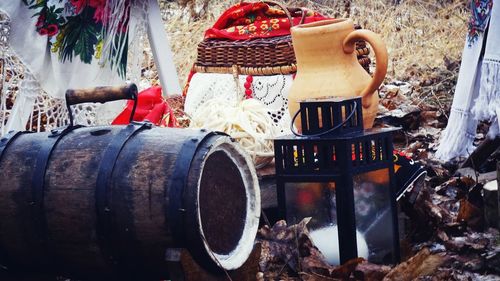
(107, 202)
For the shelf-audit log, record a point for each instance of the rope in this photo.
(246, 121)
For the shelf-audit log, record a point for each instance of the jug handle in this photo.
(381, 58)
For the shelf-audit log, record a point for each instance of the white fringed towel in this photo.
(477, 94)
(487, 105)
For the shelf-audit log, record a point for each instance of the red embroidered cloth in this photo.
(256, 20)
(150, 106)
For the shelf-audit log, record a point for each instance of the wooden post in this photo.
(162, 53)
(498, 194)
(481, 153)
(491, 204)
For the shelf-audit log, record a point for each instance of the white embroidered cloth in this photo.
(32, 49)
(487, 105)
(43, 79)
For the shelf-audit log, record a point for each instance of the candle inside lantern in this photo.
(372, 198)
(327, 241)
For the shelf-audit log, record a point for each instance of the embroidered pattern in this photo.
(247, 20)
(76, 28)
(272, 95)
(481, 10)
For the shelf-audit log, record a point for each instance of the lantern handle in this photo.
(323, 133)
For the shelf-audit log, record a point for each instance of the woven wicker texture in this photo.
(261, 56)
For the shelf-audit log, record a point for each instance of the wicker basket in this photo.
(259, 56)
(262, 56)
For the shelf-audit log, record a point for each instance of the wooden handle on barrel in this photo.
(101, 95)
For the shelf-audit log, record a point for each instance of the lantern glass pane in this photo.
(372, 201)
(315, 201)
(312, 200)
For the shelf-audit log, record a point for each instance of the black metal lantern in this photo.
(342, 176)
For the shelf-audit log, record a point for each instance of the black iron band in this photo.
(5, 142)
(8, 139)
(104, 218)
(38, 183)
(175, 209)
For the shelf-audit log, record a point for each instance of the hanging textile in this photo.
(64, 44)
(478, 87)
(487, 105)
(58, 39)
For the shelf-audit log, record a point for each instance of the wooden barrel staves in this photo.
(101, 202)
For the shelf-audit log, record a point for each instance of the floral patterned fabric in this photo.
(256, 20)
(77, 28)
(481, 10)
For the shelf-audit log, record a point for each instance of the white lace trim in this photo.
(272, 91)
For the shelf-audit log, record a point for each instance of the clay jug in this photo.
(327, 65)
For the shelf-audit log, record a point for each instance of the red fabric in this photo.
(255, 20)
(186, 87)
(150, 106)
